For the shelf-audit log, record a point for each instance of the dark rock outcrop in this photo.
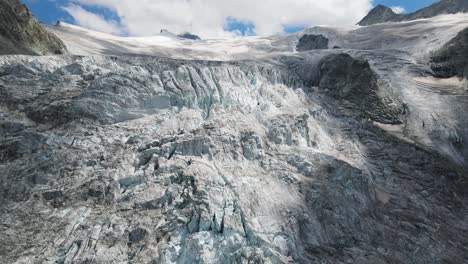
(452, 59)
(22, 33)
(382, 13)
(137, 235)
(311, 42)
(188, 35)
(379, 14)
(352, 80)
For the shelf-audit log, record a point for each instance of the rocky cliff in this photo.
(452, 59)
(346, 78)
(22, 33)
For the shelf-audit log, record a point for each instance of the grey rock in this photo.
(21, 144)
(439, 8)
(451, 60)
(21, 32)
(52, 195)
(382, 13)
(137, 235)
(130, 182)
(252, 146)
(188, 35)
(39, 179)
(135, 140)
(312, 42)
(378, 14)
(346, 78)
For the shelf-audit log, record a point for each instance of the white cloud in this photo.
(207, 18)
(398, 9)
(92, 21)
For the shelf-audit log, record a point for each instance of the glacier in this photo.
(168, 150)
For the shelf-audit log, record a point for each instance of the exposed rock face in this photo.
(452, 59)
(346, 78)
(188, 35)
(21, 33)
(439, 8)
(311, 42)
(382, 13)
(379, 14)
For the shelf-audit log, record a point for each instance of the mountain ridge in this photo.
(381, 13)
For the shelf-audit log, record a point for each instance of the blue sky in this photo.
(51, 11)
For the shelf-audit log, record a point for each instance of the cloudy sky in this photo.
(209, 18)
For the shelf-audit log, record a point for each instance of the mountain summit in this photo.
(382, 13)
(379, 14)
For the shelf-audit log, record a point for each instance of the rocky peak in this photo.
(22, 33)
(382, 13)
(379, 14)
(439, 8)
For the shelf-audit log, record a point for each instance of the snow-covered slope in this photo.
(164, 150)
(420, 36)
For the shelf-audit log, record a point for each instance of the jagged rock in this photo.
(378, 14)
(21, 33)
(25, 142)
(311, 42)
(252, 146)
(382, 13)
(52, 195)
(137, 235)
(39, 179)
(346, 78)
(452, 59)
(439, 8)
(130, 182)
